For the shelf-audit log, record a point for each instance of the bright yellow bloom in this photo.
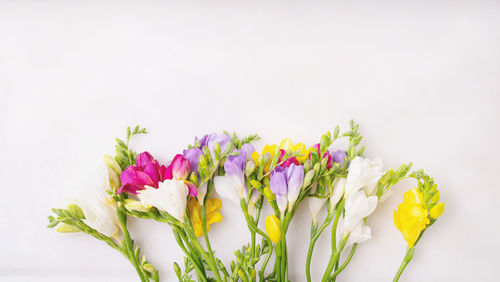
(411, 218)
(213, 216)
(287, 144)
(268, 149)
(273, 228)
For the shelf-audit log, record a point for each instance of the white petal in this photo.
(226, 187)
(282, 202)
(338, 190)
(315, 204)
(171, 196)
(357, 207)
(359, 234)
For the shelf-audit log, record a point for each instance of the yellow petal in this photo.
(286, 144)
(436, 211)
(273, 228)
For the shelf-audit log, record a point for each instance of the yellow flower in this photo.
(268, 149)
(213, 216)
(287, 144)
(411, 218)
(273, 228)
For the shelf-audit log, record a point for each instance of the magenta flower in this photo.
(329, 160)
(179, 168)
(147, 171)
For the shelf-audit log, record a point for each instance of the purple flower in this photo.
(295, 179)
(278, 181)
(235, 165)
(248, 149)
(209, 140)
(339, 157)
(146, 172)
(193, 156)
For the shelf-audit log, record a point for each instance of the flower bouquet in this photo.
(187, 194)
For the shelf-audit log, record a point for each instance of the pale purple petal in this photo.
(193, 156)
(278, 182)
(339, 157)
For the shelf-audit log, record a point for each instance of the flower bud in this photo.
(307, 165)
(180, 167)
(249, 168)
(66, 228)
(133, 205)
(268, 194)
(193, 178)
(273, 228)
(177, 270)
(149, 268)
(436, 211)
(111, 163)
(308, 178)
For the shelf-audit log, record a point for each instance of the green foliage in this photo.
(244, 266)
(391, 178)
(126, 157)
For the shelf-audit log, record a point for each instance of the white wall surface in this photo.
(421, 77)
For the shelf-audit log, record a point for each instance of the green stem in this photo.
(129, 245)
(406, 260)
(346, 262)
(199, 272)
(331, 262)
(334, 259)
(314, 237)
(253, 227)
(211, 260)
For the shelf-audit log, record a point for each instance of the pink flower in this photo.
(146, 172)
(179, 168)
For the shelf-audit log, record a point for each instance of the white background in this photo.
(421, 77)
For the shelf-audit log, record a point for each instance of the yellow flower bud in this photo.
(268, 193)
(436, 211)
(273, 228)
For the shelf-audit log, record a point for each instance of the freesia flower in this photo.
(179, 168)
(279, 187)
(285, 183)
(193, 156)
(254, 197)
(171, 196)
(339, 157)
(273, 228)
(357, 207)
(326, 155)
(295, 178)
(232, 184)
(338, 191)
(363, 174)
(213, 216)
(359, 233)
(287, 144)
(209, 141)
(146, 172)
(98, 207)
(411, 218)
(315, 204)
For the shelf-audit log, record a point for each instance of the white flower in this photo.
(97, 206)
(253, 200)
(202, 191)
(171, 196)
(360, 233)
(230, 187)
(363, 174)
(338, 191)
(315, 204)
(357, 207)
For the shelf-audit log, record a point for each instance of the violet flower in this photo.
(339, 157)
